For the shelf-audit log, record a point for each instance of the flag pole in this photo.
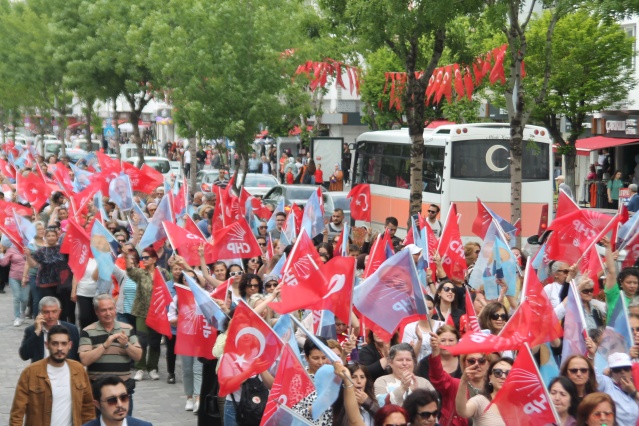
(546, 394)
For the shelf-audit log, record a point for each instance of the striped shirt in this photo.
(114, 361)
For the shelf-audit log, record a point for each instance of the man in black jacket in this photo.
(32, 346)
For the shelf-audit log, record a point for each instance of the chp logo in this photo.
(236, 243)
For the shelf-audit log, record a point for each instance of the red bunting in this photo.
(318, 73)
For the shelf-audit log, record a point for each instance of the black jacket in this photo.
(32, 346)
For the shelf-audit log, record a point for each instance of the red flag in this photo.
(82, 198)
(433, 83)
(361, 206)
(221, 291)
(151, 179)
(156, 317)
(304, 284)
(62, 177)
(468, 83)
(77, 244)
(291, 385)
(195, 337)
(7, 169)
(591, 261)
(298, 215)
(7, 207)
(445, 86)
(9, 227)
(108, 163)
(251, 347)
(377, 254)
(473, 323)
(482, 221)
(340, 273)
(451, 248)
(137, 178)
(523, 399)
(497, 73)
(34, 190)
(186, 243)
(259, 209)
(565, 205)
(235, 241)
(192, 227)
(459, 83)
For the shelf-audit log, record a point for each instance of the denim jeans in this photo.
(20, 297)
(229, 414)
(191, 375)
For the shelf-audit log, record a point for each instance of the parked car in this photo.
(201, 175)
(258, 184)
(176, 169)
(84, 145)
(160, 164)
(75, 154)
(299, 194)
(53, 148)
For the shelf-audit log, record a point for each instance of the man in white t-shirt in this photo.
(187, 163)
(65, 398)
(435, 224)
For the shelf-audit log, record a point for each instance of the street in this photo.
(154, 401)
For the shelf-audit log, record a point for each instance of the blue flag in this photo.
(97, 200)
(327, 387)
(617, 336)
(574, 326)
(144, 221)
(284, 329)
(313, 219)
(396, 283)
(102, 243)
(277, 269)
(154, 230)
(285, 416)
(332, 356)
(206, 306)
(271, 225)
(495, 261)
(540, 265)
(627, 231)
(327, 328)
(82, 178)
(548, 368)
(26, 229)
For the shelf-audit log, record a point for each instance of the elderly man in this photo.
(34, 345)
(563, 274)
(253, 163)
(107, 346)
(633, 203)
(562, 186)
(55, 390)
(198, 199)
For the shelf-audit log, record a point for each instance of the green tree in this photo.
(416, 33)
(591, 71)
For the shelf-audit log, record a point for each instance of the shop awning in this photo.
(580, 151)
(600, 142)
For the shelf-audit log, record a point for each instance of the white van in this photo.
(160, 164)
(84, 145)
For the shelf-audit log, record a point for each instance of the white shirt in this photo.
(552, 291)
(410, 337)
(61, 407)
(87, 286)
(187, 157)
(436, 226)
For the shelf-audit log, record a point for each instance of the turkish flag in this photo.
(338, 297)
(34, 190)
(451, 248)
(497, 73)
(235, 241)
(251, 348)
(482, 220)
(136, 176)
(259, 209)
(63, 179)
(459, 83)
(108, 163)
(82, 198)
(195, 337)
(9, 227)
(77, 243)
(157, 318)
(151, 179)
(361, 202)
(7, 169)
(473, 323)
(469, 86)
(523, 399)
(186, 243)
(221, 292)
(291, 385)
(304, 284)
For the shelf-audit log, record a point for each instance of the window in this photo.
(489, 161)
(631, 32)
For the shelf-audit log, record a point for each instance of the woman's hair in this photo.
(591, 384)
(419, 398)
(401, 347)
(590, 402)
(614, 175)
(328, 247)
(232, 265)
(448, 329)
(339, 414)
(571, 389)
(470, 247)
(246, 280)
(310, 169)
(438, 298)
(489, 309)
(370, 340)
(309, 345)
(219, 262)
(151, 252)
(334, 344)
(259, 262)
(361, 261)
(387, 410)
(488, 387)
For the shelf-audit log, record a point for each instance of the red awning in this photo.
(600, 142)
(77, 124)
(297, 131)
(580, 151)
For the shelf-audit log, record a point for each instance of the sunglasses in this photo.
(124, 398)
(448, 289)
(620, 369)
(145, 257)
(432, 211)
(473, 361)
(262, 244)
(499, 373)
(428, 414)
(261, 227)
(252, 285)
(577, 370)
(588, 290)
(121, 241)
(270, 285)
(477, 251)
(496, 317)
(634, 329)
(236, 273)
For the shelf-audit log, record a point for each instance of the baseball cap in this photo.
(619, 359)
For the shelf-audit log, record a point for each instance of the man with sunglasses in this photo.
(558, 290)
(55, 390)
(431, 218)
(112, 400)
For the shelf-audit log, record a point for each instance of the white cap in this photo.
(619, 359)
(560, 177)
(413, 249)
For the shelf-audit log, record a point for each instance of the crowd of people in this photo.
(84, 368)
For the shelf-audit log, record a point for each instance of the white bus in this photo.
(462, 162)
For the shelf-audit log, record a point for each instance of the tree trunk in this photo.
(137, 140)
(89, 112)
(193, 165)
(116, 127)
(570, 159)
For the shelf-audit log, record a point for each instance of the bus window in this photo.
(489, 161)
(433, 170)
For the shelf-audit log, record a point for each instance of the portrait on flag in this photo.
(120, 192)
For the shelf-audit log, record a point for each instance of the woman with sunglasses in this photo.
(563, 395)
(580, 371)
(444, 303)
(394, 387)
(475, 407)
(253, 265)
(493, 318)
(422, 407)
(272, 293)
(250, 284)
(597, 409)
(149, 338)
(262, 230)
(447, 385)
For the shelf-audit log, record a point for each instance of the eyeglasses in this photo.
(145, 257)
(121, 241)
(236, 273)
(270, 285)
(565, 271)
(448, 289)
(428, 414)
(496, 317)
(499, 373)
(261, 227)
(620, 369)
(587, 290)
(473, 361)
(252, 285)
(477, 251)
(577, 370)
(262, 244)
(602, 414)
(432, 211)
(124, 398)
